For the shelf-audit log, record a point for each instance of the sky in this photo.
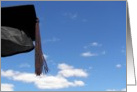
(84, 43)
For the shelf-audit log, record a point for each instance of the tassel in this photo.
(40, 62)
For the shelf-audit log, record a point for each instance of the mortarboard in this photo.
(19, 28)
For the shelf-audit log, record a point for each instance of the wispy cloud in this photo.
(123, 50)
(7, 87)
(103, 52)
(90, 68)
(90, 46)
(124, 89)
(53, 39)
(88, 54)
(75, 16)
(93, 44)
(45, 56)
(111, 90)
(84, 20)
(48, 81)
(71, 15)
(52, 62)
(118, 66)
(24, 65)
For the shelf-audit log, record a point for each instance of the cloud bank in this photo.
(48, 81)
(7, 87)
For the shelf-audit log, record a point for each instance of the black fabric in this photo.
(20, 17)
(17, 29)
(14, 41)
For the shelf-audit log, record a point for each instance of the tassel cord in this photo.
(40, 62)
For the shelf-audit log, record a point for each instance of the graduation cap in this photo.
(19, 28)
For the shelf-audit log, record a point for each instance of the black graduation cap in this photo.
(19, 28)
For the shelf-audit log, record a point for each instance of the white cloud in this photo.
(111, 90)
(124, 89)
(7, 87)
(64, 66)
(9, 73)
(48, 81)
(118, 66)
(79, 83)
(45, 56)
(88, 54)
(24, 65)
(93, 44)
(70, 71)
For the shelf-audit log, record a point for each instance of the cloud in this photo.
(93, 44)
(111, 90)
(90, 68)
(123, 51)
(84, 20)
(70, 71)
(118, 66)
(45, 56)
(71, 15)
(51, 62)
(48, 81)
(78, 83)
(88, 54)
(103, 53)
(124, 89)
(24, 65)
(53, 39)
(7, 87)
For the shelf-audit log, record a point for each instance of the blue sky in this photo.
(84, 44)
